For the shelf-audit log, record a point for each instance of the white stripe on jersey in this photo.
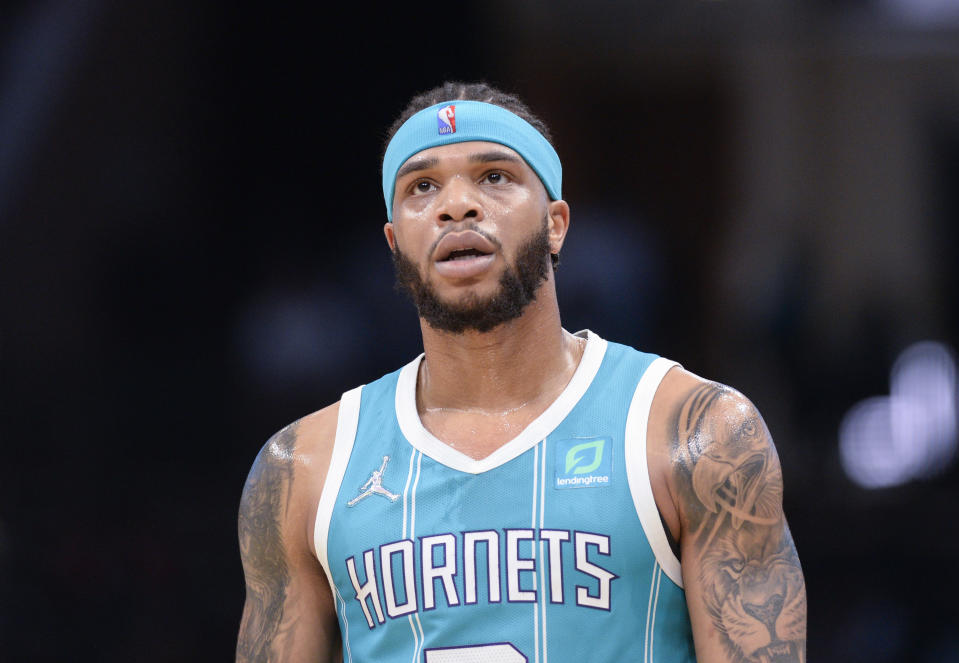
(542, 556)
(346, 624)
(652, 628)
(533, 525)
(406, 491)
(419, 625)
(416, 640)
(651, 612)
(416, 482)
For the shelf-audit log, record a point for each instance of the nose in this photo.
(458, 201)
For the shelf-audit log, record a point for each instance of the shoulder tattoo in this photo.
(730, 484)
(266, 498)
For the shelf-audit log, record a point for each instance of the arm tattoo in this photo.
(266, 497)
(730, 483)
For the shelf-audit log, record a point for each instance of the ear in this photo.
(390, 237)
(557, 223)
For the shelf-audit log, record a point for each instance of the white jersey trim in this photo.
(347, 421)
(424, 441)
(637, 468)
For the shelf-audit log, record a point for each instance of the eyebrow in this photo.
(494, 155)
(424, 163)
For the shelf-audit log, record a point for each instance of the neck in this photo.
(529, 359)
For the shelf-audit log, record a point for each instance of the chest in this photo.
(477, 434)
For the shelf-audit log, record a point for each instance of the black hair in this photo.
(453, 91)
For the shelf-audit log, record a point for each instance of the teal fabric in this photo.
(475, 120)
(641, 615)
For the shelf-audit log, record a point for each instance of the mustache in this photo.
(470, 226)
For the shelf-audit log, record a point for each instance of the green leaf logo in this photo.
(580, 453)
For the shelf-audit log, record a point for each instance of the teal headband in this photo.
(460, 121)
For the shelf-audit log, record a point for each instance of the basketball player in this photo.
(518, 492)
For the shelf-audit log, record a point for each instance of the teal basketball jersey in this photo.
(551, 549)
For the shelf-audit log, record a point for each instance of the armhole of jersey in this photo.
(637, 468)
(346, 423)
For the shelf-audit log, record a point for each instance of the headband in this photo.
(459, 121)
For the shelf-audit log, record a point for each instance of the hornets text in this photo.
(405, 576)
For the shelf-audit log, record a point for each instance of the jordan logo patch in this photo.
(583, 462)
(374, 486)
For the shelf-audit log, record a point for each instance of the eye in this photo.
(421, 186)
(495, 177)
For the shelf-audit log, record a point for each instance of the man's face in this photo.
(471, 235)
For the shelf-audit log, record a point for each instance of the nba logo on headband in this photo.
(446, 119)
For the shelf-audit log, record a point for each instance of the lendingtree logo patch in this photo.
(577, 458)
(583, 462)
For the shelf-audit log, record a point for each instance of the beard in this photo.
(517, 289)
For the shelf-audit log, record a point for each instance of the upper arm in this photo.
(744, 584)
(288, 613)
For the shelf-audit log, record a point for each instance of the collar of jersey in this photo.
(537, 430)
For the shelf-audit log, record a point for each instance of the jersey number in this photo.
(501, 652)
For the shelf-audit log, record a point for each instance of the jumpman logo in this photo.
(374, 486)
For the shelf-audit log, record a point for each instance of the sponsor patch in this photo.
(583, 462)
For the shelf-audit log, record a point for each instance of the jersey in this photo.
(551, 549)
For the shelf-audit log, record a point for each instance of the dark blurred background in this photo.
(191, 257)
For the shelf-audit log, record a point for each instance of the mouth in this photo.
(466, 245)
(463, 254)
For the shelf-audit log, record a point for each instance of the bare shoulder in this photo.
(286, 478)
(709, 445)
(301, 448)
(680, 395)
(710, 419)
(315, 434)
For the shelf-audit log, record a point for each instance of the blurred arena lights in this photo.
(930, 13)
(912, 433)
